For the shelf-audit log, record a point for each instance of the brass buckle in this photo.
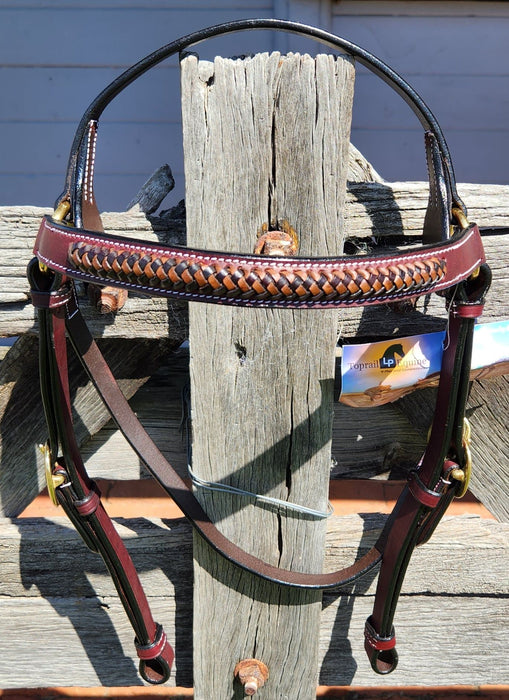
(464, 474)
(62, 209)
(53, 481)
(462, 220)
(460, 217)
(59, 214)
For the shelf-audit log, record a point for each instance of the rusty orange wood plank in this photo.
(145, 497)
(466, 692)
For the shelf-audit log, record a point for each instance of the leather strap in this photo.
(79, 180)
(409, 524)
(77, 248)
(94, 363)
(79, 495)
(140, 441)
(248, 280)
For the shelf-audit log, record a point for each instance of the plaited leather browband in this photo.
(248, 280)
(72, 245)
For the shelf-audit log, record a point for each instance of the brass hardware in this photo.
(460, 217)
(462, 220)
(464, 474)
(53, 481)
(63, 208)
(61, 211)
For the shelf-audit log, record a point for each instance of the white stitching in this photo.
(262, 262)
(159, 291)
(88, 183)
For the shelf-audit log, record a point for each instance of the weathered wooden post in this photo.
(265, 140)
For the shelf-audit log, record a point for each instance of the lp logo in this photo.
(388, 360)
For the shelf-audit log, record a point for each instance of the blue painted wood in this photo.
(55, 57)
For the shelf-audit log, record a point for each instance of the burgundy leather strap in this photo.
(421, 493)
(88, 505)
(381, 651)
(50, 300)
(81, 500)
(375, 641)
(413, 521)
(247, 280)
(159, 654)
(407, 526)
(469, 310)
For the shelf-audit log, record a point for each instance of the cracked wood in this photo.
(265, 139)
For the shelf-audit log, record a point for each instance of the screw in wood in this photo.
(252, 674)
(107, 299)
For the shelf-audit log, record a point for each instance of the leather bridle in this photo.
(72, 245)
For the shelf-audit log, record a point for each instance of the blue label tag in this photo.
(375, 373)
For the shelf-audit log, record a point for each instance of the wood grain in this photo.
(265, 140)
(371, 209)
(60, 601)
(22, 424)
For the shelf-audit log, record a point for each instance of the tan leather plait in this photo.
(245, 280)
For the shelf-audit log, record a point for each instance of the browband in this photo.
(71, 245)
(250, 280)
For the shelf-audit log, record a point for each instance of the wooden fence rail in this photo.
(57, 597)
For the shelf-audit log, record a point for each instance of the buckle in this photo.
(460, 217)
(53, 481)
(463, 474)
(62, 209)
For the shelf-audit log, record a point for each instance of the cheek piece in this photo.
(72, 245)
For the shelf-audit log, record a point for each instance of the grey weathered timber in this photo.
(362, 443)
(489, 418)
(22, 424)
(154, 190)
(18, 229)
(489, 414)
(132, 360)
(362, 446)
(58, 602)
(265, 141)
(371, 208)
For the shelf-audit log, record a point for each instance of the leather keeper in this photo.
(376, 641)
(88, 505)
(421, 493)
(468, 310)
(50, 300)
(156, 659)
(147, 652)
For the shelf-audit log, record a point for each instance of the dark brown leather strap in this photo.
(148, 452)
(162, 470)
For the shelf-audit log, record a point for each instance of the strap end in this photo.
(381, 651)
(156, 658)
